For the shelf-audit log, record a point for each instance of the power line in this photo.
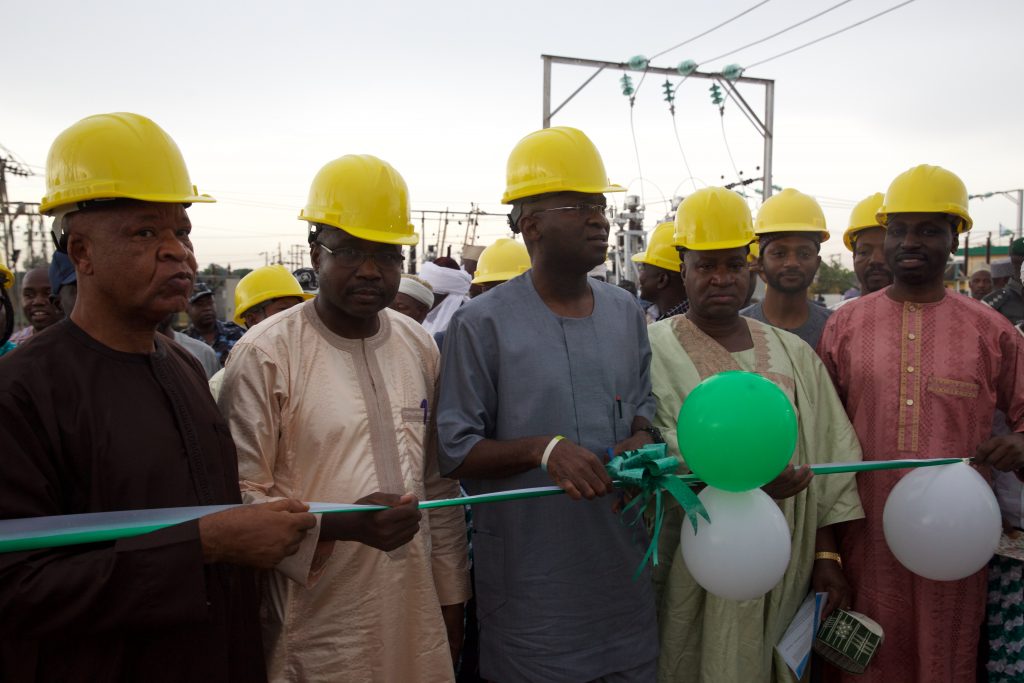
(729, 151)
(689, 173)
(778, 33)
(636, 150)
(830, 35)
(713, 28)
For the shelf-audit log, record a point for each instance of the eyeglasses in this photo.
(353, 258)
(582, 209)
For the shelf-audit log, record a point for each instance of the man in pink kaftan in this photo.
(921, 372)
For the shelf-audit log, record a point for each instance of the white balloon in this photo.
(942, 522)
(744, 551)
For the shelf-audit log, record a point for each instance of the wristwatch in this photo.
(653, 432)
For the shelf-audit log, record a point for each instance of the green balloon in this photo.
(737, 431)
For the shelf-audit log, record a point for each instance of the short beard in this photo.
(775, 283)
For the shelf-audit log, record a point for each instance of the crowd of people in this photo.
(514, 369)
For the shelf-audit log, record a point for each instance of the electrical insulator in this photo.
(670, 94)
(638, 63)
(716, 94)
(627, 85)
(687, 67)
(732, 72)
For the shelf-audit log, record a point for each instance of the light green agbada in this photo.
(711, 639)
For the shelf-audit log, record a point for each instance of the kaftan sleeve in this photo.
(828, 436)
(449, 547)
(666, 397)
(827, 348)
(251, 398)
(468, 399)
(646, 406)
(149, 581)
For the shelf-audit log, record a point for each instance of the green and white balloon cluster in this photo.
(737, 431)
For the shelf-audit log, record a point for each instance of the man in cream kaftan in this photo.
(322, 418)
(330, 401)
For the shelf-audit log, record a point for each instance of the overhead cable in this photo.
(777, 33)
(713, 28)
(830, 35)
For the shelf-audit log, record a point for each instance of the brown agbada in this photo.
(84, 428)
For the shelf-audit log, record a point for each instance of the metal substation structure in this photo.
(630, 239)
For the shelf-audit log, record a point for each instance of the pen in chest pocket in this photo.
(423, 405)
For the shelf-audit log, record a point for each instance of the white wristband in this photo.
(547, 452)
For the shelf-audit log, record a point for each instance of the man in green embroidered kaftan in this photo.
(704, 637)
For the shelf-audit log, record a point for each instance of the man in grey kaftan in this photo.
(557, 600)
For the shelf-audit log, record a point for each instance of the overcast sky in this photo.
(260, 95)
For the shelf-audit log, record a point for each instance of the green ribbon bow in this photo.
(652, 470)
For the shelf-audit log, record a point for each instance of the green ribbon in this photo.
(648, 469)
(652, 471)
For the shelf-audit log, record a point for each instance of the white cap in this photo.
(417, 289)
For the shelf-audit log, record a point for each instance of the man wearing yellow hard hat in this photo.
(500, 262)
(543, 376)
(331, 400)
(660, 281)
(260, 294)
(790, 228)
(705, 638)
(121, 419)
(865, 237)
(922, 371)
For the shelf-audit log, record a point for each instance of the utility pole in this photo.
(9, 166)
(444, 233)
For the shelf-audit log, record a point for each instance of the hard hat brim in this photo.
(657, 262)
(883, 214)
(68, 198)
(502, 276)
(793, 227)
(239, 317)
(850, 232)
(718, 246)
(370, 235)
(534, 189)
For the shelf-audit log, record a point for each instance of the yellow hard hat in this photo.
(503, 260)
(713, 218)
(364, 196)
(113, 156)
(755, 252)
(559, 159)
(791, 211)
(863, 217)
(264, 284)
(927, 189)
(6, 277)
(661, 252)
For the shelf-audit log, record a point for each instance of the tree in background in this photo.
(833, 278)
